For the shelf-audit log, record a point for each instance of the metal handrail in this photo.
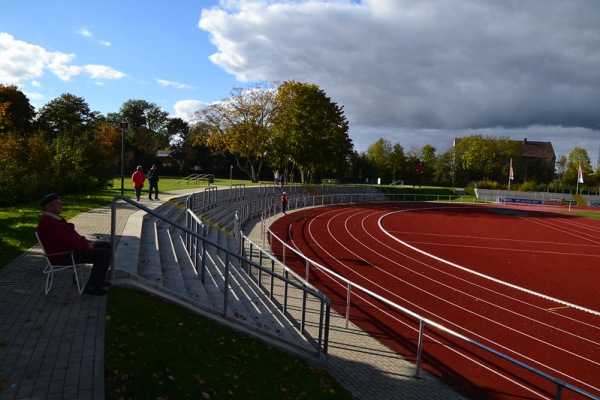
(324, 306)
(197, 253)
(195, 178)
(196, 244)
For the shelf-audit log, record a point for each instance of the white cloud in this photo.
(33, 95)
(84, 32)
(185, 109)
(177, 85)
(410, 69)
(87, 33)
(21, 61)
(103, 72)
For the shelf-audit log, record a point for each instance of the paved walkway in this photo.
(52, 347)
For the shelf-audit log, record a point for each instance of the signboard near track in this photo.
(515, 200)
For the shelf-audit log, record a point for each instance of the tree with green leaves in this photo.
(310, 130)
(71, 130)
(66, 116)
(24, 168)
(428, 156)
(444, 169)
(380, 154)
(146, 130)
(16, 114)
(141, 113)
(485, 158)
(398, 162)
(240, 126)
(359, 167)
(388, 160)
(561, 167)
(576, 159)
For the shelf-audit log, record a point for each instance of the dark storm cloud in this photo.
(400, 66)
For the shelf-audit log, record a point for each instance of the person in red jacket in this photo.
(284, 202)
(58, 235)
(138, 178)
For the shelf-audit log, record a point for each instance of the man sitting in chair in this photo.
(58, 235)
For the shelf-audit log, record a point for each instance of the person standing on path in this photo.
(59, 236)
(138, 178)
(153, 181)
(283, 202)
(277, 177)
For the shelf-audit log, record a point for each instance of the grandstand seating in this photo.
(165, 268)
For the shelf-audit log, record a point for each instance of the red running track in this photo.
(521, 280)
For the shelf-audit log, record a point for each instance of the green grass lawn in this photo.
(156, 350)
(18, 223)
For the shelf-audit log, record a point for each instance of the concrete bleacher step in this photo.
(195, 289)
(221, 217)
(172, 277)
(149, 266)
(247, 303)
(150, 262)
(231, 244)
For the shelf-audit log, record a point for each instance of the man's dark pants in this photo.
(153, 185)
(100, 256)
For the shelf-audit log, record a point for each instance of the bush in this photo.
(532, 186)
(485, 185)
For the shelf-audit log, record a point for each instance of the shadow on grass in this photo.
(158, 350)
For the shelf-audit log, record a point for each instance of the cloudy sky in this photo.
(414, 72)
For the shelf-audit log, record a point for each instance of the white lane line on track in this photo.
(502, 249)
(575, 232)
(495, 239)
(450, 263)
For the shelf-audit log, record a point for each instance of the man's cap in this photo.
(48, 198)
(283, 193)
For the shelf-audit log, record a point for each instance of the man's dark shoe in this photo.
(105, 283)
(98, 291)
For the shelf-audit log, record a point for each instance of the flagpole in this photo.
(579, 178)
(510, 174)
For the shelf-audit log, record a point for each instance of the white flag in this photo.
(580, 175)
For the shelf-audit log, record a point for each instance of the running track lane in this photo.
(388, 249)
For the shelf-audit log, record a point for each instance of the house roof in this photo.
(538, 149)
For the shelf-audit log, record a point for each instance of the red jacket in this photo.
(138, 179)
(58, 235)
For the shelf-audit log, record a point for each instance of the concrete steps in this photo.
(165, 266)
